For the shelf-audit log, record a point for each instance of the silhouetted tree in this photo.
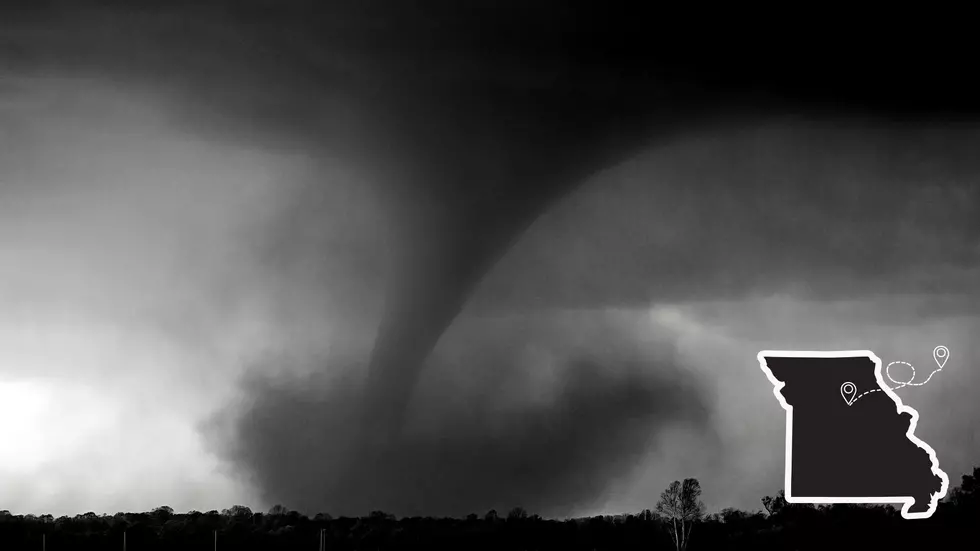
(238, 511)
(967, 494)
(786, 526)
(774, 505)
(681, 508)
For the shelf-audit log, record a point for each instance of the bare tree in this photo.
(680, 507)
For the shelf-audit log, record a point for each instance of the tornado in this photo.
(473, 119)
(474, 185)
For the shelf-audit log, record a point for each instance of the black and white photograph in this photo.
(492, 275)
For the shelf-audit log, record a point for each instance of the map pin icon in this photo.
(940, 354)
(847, 391)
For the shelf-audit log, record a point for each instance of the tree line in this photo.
(678, 521)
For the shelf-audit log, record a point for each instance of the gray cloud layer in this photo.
(483, 432)
(679, 225)
(823, 212)
(161, 221)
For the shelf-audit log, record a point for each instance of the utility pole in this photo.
(215, 540)
(124, 540)
(44, 542)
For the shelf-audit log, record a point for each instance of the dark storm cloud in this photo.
(467, 161)
(462, 164)
(808, 236)
(665, 228)
(467, 445)
(483, 433)
(823, 212)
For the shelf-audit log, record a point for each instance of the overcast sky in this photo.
(196, 252)
(141, 280)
